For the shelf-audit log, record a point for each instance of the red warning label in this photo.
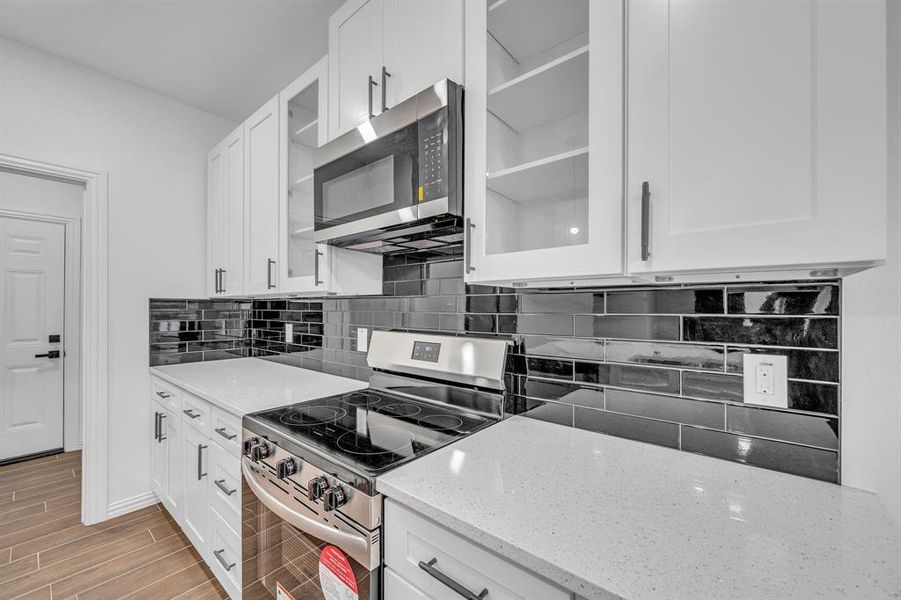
(336, 577)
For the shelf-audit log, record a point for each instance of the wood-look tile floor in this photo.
(45, 551)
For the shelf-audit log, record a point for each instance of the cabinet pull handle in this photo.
(163, 395)
(225, 564)
(645, 220)
(220, 483)
(161, 437)
(215, 281)
(371, 83)
(429, 568)
(191, 413)
(316, 280)
(269, 263)
(221, 281)
(385, 76)
(156, 426)
(200, 473)
(221, 431)
(467, 246)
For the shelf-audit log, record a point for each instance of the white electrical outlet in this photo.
(289, 333)
(362, 339)
(766, 380)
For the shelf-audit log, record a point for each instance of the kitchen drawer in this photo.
(166, 394)
(197, 413)
(411, 539)
(225, 477)
(398, 588)
(226, 430)
(225, 556)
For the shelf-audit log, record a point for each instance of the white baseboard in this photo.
(130, 504)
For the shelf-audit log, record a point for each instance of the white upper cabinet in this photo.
(356, 56)
(423, 44)
(759, 128)
(381, 52)
(225, 216)
(303, 111)
(261, 199)
(543, 156)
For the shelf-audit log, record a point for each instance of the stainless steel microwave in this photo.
(395, 182)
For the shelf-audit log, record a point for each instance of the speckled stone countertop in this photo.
(612, 518)
(246, 385)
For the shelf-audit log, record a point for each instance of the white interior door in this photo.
(32, 285)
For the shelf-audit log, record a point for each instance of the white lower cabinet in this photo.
(196, 474)
(425, 560)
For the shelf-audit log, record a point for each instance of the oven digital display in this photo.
(427, 351)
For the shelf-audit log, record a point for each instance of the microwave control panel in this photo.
(433, 156)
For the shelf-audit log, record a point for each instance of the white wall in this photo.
(154, 150)
(871, 333)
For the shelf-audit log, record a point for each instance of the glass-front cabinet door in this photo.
(544, 140)
(303, 106)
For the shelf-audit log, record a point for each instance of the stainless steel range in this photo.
(313, 467)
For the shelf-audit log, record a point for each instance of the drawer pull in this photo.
(225, 564)
(429, 568)
(191, 413)
(163, 395)
(221, 431)
(220, 483)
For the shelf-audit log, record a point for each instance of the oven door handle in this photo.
(357, 546)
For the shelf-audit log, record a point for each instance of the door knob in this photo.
(51, 354)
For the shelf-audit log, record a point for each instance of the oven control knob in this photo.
(316, 488)
(249, 443)
(259, 451)
(334, 498)
(286, 467)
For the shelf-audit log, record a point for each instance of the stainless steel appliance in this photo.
(311, 469)
(394, 183)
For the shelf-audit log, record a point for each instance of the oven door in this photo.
(372, 187)
(290, 551)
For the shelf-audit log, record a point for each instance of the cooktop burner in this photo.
(372, 430)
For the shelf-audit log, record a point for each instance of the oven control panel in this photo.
(426, 351)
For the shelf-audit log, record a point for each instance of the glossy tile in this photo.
(790, 427)
(563, 347)
(666, 301)
(626, 426)
(538, 324)
(553, 412)
(578, 302)
(657, 353)
(544, 367)
(820, 332)
(628, 327)
(779, 456)
(666, 408)
(712, 386)
(784, 300)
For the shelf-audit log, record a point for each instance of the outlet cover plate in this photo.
(759, 366)
(362, 339)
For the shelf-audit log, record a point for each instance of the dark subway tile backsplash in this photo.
(659, 365)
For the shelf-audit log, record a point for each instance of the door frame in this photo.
(94, 326)
(72, 321)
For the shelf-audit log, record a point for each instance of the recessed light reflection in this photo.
(744, 446)
(574, 231)
(458, 457)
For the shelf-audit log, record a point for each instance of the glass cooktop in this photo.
(370, 430)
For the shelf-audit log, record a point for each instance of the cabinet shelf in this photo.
(558, 174)
(303, 184)
(525, 29)
(550, 92)
(308, 134)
